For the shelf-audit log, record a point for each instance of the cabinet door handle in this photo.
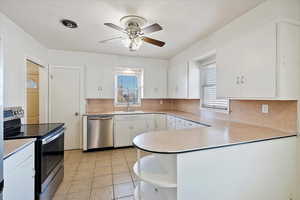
(242, 79)
(238, 80)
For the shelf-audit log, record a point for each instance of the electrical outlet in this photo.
(265, 108)
(161, 102)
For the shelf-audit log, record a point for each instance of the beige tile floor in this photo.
(101, 175)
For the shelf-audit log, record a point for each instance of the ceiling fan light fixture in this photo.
(133, 27)
(133, 44)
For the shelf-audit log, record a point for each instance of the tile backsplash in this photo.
(282, 114)
(107, 105)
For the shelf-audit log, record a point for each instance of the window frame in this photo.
(205, 66)
(129, 72)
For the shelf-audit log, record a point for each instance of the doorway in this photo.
(65, 96)
(32, 93)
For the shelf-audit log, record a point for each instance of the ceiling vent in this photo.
(69, 23)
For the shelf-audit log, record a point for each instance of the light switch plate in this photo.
(161, 102)
(265, 108)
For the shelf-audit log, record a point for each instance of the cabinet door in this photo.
(123, 133)
(259, 63)
(180, 123)
(171, 82)
(19, 175)
(288, 39)
(99, 82)
(181, 76)
(160, 122)
(171, 122)
(140, 127)
(20, 180)
(193, 80)
(228, 70)
(155, 83)
(177, 80)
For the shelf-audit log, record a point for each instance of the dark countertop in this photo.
(34, 131)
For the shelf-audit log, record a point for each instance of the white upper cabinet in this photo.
(177, 81)
(288, 61)
(259, 64)
(184, 80)
(99, 82)
(155, 83)
(193, 80)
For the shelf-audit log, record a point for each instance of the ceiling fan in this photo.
(134, 32)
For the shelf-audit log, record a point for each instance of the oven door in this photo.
(52, 153)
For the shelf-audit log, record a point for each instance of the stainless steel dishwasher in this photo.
(100, 132)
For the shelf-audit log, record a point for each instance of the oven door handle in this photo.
(51, 138)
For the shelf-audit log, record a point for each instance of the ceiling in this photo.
(183, 21)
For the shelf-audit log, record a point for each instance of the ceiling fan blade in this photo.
(152, 28)
(153, 41)
(115, 27)
(107, 40)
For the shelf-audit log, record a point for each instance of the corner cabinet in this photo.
(184, 80)
(263, 64)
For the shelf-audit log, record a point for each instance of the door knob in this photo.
(76, 114)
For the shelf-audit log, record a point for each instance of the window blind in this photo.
(209, 89)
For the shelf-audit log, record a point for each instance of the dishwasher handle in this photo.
(101, 118)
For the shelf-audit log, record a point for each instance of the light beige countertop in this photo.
(221, 133)
(13, 146)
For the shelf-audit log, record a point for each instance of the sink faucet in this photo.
(126, 97)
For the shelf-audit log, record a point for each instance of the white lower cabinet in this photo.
(171, 122)
(19, 173)
(160, 122)
(126, 127)
(178, 123)
(129, 126)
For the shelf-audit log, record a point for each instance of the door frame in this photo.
(43, 66)
(81, 70)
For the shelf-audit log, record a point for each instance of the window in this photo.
(209, 87)
(128, 86)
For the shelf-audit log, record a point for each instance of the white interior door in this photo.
(65, 102)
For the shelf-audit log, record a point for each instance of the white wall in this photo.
(18, 45)
(110, 62)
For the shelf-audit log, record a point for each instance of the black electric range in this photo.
(49, 150)
(32, 131)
